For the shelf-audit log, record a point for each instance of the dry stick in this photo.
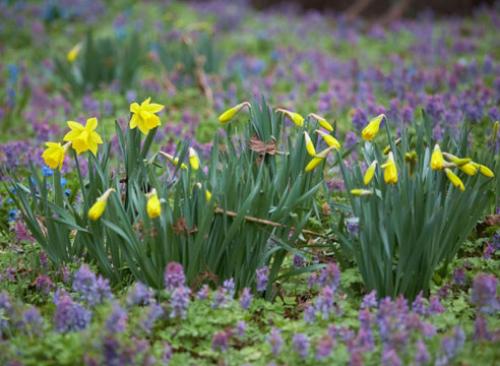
(263, 221)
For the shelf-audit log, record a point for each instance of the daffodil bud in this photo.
(370, 173)
(194, 159)
(469, 169)
(315, 161)
(454, 179)
(329, 139)
(361, 192)
(484, 170)
(390, 170)
(309, 144)
(73, 53)
(229, 114)
(99, 206)
(173, 160)
(153, 206)
(371, 130)
(295, 117)
(322, 122)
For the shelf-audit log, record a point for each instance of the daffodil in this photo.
(437, 160)
(229, 114)
(388, 148)
(144, 117)
(315, 161)
(370, 173)
(371, 130)
(194, 159)
(469, 169)
(454, 179)
(329, 139)
(83, 138)
(322, 122)
(73, 53)
(208, 195)
(99, 206)
(309, 144)
(173, 160)
(361, 192)
(295, 117)
(53, 156)
(484, 170)
(390, 170)
(153, 206)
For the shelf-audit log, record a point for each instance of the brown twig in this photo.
(258, 220)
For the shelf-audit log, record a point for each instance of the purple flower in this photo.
(117, 320)
(276, 341)
(453, 343)
(418, 305)
(435, 306)
(309, 314)
(481, 332)
(69, 315)
(153, 313)
(230, 287)
(298, 261)
(330, 276)
(390, 358)
(240, 329)
(245, 298)
(220, 298)
(325, 302)
(167, 354)
(91, 289)
(262, 275)
(324, 347)
(488, 251)
(174, 276)
(32, 321)
(44, 284)
(140, 295)
(203, 292)
(422, 356)
(484, 290)
(301, 344)
(180, 302)
(220, 341)
(369, 300)
(459, 278)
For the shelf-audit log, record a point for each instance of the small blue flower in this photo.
(67, 192)
(47, 172)
(63, 182)
(12, 215)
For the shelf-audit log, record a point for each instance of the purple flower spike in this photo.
(276, 341)
(484, 293)
(301, 344)
(117, 320)
(174, 276)
(245, 298)
(69, 316)
(262, 278)
(324, 347)
(220, 341)
(180, 302)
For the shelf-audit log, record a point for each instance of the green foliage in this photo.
(409, 230)
(259, 193)
(102, 61)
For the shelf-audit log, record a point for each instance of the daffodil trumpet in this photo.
(153, 205)
(390, 170)
(372, 128)
(370, 173)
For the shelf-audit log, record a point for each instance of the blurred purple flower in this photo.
(262, 275)
(276, 341)
(174, 276)
(140, 295)
(117, 320)
(484, 293)
(69, 315)
(180, 302)
(245, 298)
(301, 344)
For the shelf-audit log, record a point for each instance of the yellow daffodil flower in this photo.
(437, 160)
(99, 206)
(208, 195)
(469, 169)
(322, 122)
(83, 138)
(454, 179)
(73, 53)
(229, 114)
(329, 139)
(390, 170)
(153, 206)
(144, 117)
(295, 117)
(194, 159)
(315, 161)
(370, 173)
(309, 144)
(371, 130)
(361, 192)
(53, 156)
